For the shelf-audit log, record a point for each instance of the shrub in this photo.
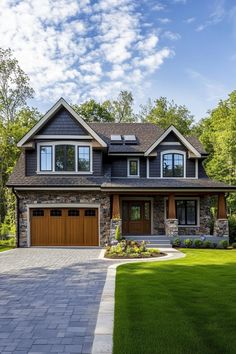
(223, 244)
(176, 242)
(130, 249)
(234, 245)
(188, 243)
(198, 243)
(117, 233)
(207, 244)
(232, 229)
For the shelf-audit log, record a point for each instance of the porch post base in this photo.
(221, 228)
(113, 226)
(171, 227)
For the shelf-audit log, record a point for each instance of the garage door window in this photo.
(90, 212)
(55, 212)
(38, 212)
(73, 212)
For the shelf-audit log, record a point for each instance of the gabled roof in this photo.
(185, 142)
(59, 104)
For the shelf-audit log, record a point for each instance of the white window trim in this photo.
(128, 167)
(185, 198)
(74, 143)
(180, 152)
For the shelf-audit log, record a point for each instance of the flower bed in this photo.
(131, 249)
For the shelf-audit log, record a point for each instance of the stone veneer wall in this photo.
(57, 197)
(159, 218)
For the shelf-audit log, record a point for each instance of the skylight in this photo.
(116, 137)
(129, 137)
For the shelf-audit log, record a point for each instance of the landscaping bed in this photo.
(126, 249)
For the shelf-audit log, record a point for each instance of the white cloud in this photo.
(158, 7)
(164, 20)
(80, 48)
(215, 17)
(173, 36)
(190, 20)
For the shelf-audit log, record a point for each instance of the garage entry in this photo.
(64, 227)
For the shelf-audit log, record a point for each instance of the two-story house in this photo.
(75, 181)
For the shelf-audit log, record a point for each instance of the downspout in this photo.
(17, 219)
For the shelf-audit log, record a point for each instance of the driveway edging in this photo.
(103, 334)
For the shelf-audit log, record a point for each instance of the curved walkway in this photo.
(102, 343)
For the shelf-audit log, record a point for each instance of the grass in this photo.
(5, 248)
(186, 306)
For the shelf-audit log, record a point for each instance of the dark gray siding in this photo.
(97, 163)
(63, 124)
(119, 166)
(155, 162)
(171, 138)
(31, 162)
(201, 170)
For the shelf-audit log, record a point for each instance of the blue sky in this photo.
(80, 49)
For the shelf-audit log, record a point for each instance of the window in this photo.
(46, 158)
(83, 158)
(73, 212)
(38, 212)
(90, 212)
(55, 212)
(135, 212)
(64, 158)
(173, 165)
(186, 212)
(133, 167)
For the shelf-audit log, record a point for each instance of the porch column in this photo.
(171, 225)
(221, 226)
(116, 206)
(116, 222)
(172, 208)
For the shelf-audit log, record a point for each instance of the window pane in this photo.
(55, 212)
(45, 158)
(83, 158)
(65, 158)
(135, 212)
(167, 165)
(178, 165)
(180, 211)
(90, 212)
(133, 167)
(191, 212)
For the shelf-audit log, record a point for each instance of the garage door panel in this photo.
(74, 235)
(64, 227)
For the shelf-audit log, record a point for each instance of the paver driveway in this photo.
(49, 299)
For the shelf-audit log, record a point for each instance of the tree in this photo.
(122, 108)
(165, 113)
(93, 111)
(14, 86)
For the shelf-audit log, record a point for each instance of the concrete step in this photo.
(164, 245)
(153, 241)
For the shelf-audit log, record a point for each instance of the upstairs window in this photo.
(133, 167)
(46, 158)
(64, 158)
(173, 165)
(83, 158)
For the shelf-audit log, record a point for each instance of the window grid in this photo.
(46, 158)
(186, 212)
(173, 165)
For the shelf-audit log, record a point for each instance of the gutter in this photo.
(17, 218)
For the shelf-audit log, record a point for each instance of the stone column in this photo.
(116, 219)
(171, 224)
(221, 226)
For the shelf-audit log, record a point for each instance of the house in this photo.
(76, 181)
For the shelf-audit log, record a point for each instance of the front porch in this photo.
(165, 216)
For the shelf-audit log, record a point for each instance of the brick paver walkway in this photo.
(49, 299)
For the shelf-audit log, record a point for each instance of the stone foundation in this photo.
(221, 228)
(171, 227)
(57, 197)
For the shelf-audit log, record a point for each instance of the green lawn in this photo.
(5, 248)
(186, 306)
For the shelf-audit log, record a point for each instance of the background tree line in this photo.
(217, 131)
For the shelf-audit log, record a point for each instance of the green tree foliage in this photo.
(93, 111)
(218, 134)
(122, 108)
(165, 113)
(14, 86)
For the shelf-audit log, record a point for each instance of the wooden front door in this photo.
(64, 227)
(136, 217)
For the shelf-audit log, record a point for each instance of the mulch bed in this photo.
(153, 255)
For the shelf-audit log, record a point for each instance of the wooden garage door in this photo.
(64, 227)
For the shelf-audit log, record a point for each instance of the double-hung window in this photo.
(46, 158)
(83, 158)
(173, 165)
(133, 167)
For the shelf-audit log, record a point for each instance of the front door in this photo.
(136, 217)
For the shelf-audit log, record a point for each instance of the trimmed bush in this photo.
(188, 243)
(232, 229)
(117, 234)
(198, 243)
(223, 244)
(130, 249)
(234, 245)
(207, 244)
(176, 242)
